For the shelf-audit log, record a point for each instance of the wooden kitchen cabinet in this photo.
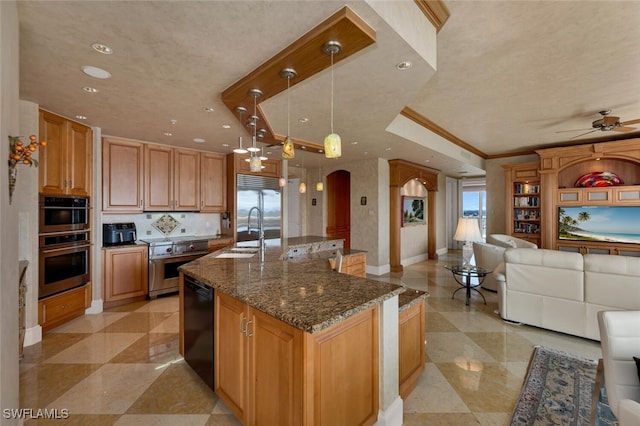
(66, 161)
(269, 372)
(257, 364)
(411, 347)
(355, 264)
(125, 272)
(122, 179)
(56, 310)
(213, 192)
(172, 179)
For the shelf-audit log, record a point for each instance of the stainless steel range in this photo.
(166, 255)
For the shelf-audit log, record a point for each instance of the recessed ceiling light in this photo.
(198, 140)
(303, 120)
(354, 143)
(404, 65)
(90, 89)
(209, 109)
(102, 48)
(81, 117)
(426, 161)
(269, 152)
(95, 72)
(174, 122)
(168, 134)
(226, 145)
(387, 149)
(226, 126)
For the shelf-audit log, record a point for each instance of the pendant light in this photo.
(302, 188)
(240, 150)
(288, 150)
(319, 185)
(332, 143)
(255, 163)
(282, 182)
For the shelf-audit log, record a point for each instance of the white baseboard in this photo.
(442, 251)
(378, 270)
(32, 335)
(95, 308)
(392, 416)
(414, 259)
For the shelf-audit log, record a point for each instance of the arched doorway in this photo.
(339, 206)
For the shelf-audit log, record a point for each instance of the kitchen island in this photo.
(297, 343)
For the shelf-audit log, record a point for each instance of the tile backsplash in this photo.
(188, 223)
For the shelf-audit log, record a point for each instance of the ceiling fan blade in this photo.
(594, 130)
(637, 120)
(624, 129)
(574, 130)
(610, 120)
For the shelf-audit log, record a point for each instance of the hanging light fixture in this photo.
(288, 150)
(282, 182)
(332, 142)
(255, 163)
(319, 185)
(302, 188)
(240, 150)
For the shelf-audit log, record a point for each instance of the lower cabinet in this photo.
(355, 264)
(269, 372)
(56, 310)
(125, 274)
(411, 347)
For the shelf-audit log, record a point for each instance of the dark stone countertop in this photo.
(302, 292)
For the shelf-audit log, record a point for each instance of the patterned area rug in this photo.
(558, 390)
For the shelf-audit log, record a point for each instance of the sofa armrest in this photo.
(629, 412)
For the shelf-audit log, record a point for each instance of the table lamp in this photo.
(467, 231)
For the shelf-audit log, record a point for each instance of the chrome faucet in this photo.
(260, 226)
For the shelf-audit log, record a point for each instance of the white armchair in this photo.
(620, 339)
(488, 256)
(507, 241)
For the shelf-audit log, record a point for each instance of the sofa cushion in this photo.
(507, 241)
(612, 280)
(545, 272)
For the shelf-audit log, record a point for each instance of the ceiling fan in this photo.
(607, 123)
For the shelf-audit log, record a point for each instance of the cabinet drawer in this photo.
(63, 307)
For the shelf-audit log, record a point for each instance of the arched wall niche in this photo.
(401, 172)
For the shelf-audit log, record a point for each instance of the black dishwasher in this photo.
(198, 328)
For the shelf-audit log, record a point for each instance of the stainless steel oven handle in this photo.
(69, 247)
(64, 208)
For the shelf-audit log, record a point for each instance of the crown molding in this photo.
(435, 11)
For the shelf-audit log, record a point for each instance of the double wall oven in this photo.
(64, 244)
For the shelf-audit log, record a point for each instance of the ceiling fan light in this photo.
(332, 146)
(288, 150)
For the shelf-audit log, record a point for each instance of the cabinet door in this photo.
(122, 167)
(275, 371)
(212, 182)
(230, 357)
(411, 347)
(125, 272)
(52, 158)
(158, 171)
(79, 159)
(186, 178)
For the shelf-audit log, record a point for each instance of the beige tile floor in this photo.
(122, 367)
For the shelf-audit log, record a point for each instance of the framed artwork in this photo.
(412, 210)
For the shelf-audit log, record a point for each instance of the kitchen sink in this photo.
(235, 255)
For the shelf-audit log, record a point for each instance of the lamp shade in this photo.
(467, 230)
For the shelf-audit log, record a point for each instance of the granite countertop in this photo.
(302, 292)
(310, 239)
(410, 297)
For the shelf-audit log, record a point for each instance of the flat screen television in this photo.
(617, 224)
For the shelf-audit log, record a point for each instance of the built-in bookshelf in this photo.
(523, 197)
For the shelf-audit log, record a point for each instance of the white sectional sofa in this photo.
(491, 254)
(564, 291)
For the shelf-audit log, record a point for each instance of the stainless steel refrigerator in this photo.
(265, 194)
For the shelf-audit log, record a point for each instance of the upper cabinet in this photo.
(138, 176)
(213, 191)
(122, 180)
(65, 164)
(172, 179)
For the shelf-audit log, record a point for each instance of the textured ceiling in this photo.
(510, 75)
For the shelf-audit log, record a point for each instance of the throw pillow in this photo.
(637, 360)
